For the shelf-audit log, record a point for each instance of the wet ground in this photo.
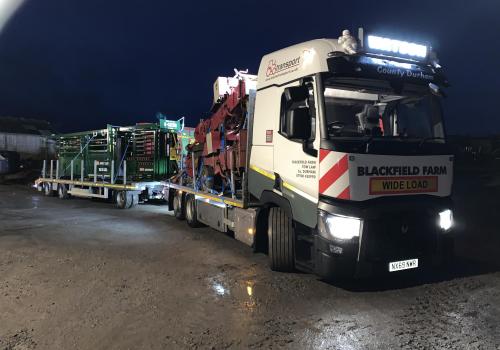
(79, 274)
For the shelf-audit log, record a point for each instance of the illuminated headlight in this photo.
(338, 227)
(446, 219)
(397, 47)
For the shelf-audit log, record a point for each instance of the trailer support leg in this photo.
(112, 172)
(124, 172)
(194, 172)
(233, 185)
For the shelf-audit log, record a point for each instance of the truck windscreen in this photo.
(359, 114)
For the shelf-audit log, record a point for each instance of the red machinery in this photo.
(220, 141)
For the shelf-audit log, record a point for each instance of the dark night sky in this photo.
(84, 63)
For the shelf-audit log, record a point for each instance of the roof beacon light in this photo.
(398, 47)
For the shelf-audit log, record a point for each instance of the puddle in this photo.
(241, 293)
(218, 286)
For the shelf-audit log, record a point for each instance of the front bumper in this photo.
(393, 230)
(330, 264)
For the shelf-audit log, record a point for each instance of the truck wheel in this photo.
(135, 200)
(281, 241)
(179, 210)
(62, 191)
(191, 214)
(123, 200)
(47, 189)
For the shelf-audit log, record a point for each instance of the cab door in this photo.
(296, 151)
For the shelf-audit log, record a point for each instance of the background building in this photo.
(24, 143)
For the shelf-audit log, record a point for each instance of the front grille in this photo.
(399, 235)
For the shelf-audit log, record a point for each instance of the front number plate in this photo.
(403, 265)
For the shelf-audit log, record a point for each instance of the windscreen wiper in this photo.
(425, 139)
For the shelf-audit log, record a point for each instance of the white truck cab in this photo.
(348, 170)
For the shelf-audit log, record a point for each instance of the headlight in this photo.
(446, 219)
(339, 227)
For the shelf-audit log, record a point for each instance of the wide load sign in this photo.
(364, 176)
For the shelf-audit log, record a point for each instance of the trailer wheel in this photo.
(281, 241)
(62, 191)
(179, 207)
(135, 199)
(123, 200)
(191, 214)
(47, 189)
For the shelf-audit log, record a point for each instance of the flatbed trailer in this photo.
(125, 195)
(123, 164)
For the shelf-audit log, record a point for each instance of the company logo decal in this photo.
(276, 69)
(401, 170)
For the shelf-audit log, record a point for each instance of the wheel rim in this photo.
(120, 199)
(189, 210)
(176, 204)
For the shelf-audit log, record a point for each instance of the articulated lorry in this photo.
(333, 159)
(125, 164)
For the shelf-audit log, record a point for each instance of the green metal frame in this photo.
(146, 149)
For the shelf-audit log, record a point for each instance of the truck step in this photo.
(305, 266)
(306, 238)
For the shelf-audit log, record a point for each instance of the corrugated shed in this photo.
(28, 137)
(25, 126)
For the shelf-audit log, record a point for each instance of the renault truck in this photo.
(332, 159)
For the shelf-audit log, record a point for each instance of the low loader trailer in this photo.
(124, 164)
(332, 160)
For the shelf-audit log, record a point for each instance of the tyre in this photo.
(281, 241)
(191, 214)
(47, 189)
(62, 191)
(135, 199)
(123, 200)
(179, 207)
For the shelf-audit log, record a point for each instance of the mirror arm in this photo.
(306, 147)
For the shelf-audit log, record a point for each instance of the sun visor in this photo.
(366, 67)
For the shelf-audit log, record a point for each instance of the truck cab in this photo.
(348, 157)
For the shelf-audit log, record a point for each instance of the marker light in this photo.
(339, 227)
(397, 46)
(446, 219)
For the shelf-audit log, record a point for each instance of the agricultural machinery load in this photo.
(217, 159)
(128, 164)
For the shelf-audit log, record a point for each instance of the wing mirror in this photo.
(297, 116)
(298, 123)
